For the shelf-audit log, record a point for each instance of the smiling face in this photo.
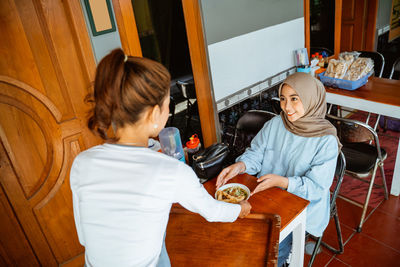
(291, 103)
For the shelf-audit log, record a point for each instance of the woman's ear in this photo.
(155, 113)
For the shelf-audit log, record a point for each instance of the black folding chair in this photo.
(364, 156)
(379, 64)
(339, 173)
(247, 127)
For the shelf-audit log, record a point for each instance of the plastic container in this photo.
(305, 69)
(154, 145)
(321, 61)
(192, 146)
(171, 143)
(343, 84)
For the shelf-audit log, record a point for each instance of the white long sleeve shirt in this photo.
(308, 162)
(122, 197)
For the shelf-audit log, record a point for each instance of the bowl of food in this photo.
(232, 193)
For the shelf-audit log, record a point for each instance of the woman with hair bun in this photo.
(122, 190)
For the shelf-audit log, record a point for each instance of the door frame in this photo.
(197, 48)
(338, 26)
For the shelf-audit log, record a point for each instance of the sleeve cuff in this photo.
(291, 184)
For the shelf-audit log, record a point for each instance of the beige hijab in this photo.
(312, 94)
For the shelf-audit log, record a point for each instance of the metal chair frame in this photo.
(370, 54)
(372, 172)
(339, 174)
(395, 67)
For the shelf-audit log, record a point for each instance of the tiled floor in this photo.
(378, 244)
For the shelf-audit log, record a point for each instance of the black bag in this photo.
(208, 163)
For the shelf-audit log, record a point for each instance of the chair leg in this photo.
(377, 122)
(329, 108)
(384, 180)
(315, 251)
(319, 240)
(365, 207)
(368, 117)
(339, 236)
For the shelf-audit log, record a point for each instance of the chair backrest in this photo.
(248, 125)
(252, 241)
(339, 174)
(353, 131)
(275, 104)
(379, 61)
(395, 68)
(253, 120)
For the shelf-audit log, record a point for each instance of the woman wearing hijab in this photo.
(296, 151)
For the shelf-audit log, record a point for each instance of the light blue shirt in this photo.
(308, 162)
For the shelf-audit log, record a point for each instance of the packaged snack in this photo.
(359, 68)
(349, 56)
(337, 68)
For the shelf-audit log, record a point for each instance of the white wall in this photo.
(250, 58)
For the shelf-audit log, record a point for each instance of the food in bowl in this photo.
(232, 193)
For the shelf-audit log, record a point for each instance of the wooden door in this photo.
(358, 25)
(46, 67)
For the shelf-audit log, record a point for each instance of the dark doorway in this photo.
(162, 35)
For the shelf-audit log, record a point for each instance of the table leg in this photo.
(395, 190)
(298, 242)
(298, 228)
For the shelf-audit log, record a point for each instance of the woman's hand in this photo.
(230, 172)
(246, 207)
(270, 180)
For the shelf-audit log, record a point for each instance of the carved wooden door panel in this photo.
(353, 25)
(46, 66)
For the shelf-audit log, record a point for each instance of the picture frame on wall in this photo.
(394, 20)
(100, 16)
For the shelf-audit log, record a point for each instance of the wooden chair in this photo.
(252, 241)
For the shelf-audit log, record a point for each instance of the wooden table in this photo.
(380, 96)
(291, 208)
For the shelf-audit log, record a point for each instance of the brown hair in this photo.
(124, 87)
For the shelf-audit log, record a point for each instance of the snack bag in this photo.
(337, 68)
(359, 68)
(349, 56)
